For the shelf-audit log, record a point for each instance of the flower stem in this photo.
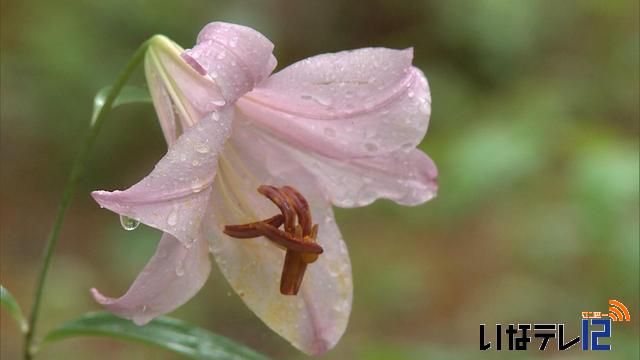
(67, 195)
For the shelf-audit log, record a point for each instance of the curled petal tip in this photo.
(111, 200)
(102, 197)
(101, 299)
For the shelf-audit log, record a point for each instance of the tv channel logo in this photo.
(596, 330)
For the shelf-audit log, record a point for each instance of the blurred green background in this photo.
(535, 130)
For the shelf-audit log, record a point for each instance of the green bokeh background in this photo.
(535, 130)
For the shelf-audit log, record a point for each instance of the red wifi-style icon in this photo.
(618, 311)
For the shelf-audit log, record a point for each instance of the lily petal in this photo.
(173, 276)
(353, 103)
(181, 96)
(315, 319)
(406, 176)
(174, 197)
(235, 57)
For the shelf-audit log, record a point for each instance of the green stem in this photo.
(67, 195)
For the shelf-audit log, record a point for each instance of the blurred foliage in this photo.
(534, 128)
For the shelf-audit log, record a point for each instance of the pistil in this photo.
(299, 240)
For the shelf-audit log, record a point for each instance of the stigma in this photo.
(297, 238)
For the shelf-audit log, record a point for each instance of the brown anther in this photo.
(299, 240)
(302, 208)
(287, 240)
(277, 197)
(250, 230)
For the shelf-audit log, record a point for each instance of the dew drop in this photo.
(322, 100)
(371, 147)
(180, 268)
(424, 107)
(341, 306)
(331, 132)
(366, 196)
(221, 55)
(128, 223)
(220, 102)
(196, 185)
(407, 147)
(202, 148)
(370, 132)
(172, 219)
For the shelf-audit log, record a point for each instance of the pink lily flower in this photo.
(341, 129)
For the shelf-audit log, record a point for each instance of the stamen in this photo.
(248, 231)
(299, 240)
(287, 240)
(281, 202)
(292, 273)
(302, 208)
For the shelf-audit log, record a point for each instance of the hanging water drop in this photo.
(128, 223)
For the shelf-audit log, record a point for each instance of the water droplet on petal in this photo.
(218, 103)
(221, 55)
(424, 107)
(366, 196)
(407, 147)
(370, 132)
(128, 223)
(202, 148)
(197, 185)
(172, 219)
(323, 101)
(341, 306)
(371, 147)
(180, 268)
(331, 132)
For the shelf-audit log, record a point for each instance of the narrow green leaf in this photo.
(128, 95)
(164, 332)
(9, 303)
